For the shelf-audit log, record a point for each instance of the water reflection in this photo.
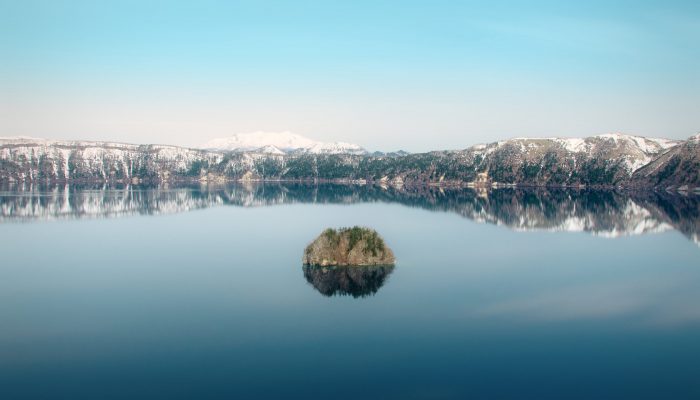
(600, 212)
(347, 281)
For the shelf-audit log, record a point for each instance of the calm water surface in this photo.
(197, 292)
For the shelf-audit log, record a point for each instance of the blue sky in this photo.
(417, 75)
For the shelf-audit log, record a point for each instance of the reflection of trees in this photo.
(605, 212)
(360, 281)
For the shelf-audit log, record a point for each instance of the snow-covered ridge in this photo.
(645, 144)
(38, 142)
(31, 141)
(336, 148)
(598, 161)
(634, 151)
(279, 143)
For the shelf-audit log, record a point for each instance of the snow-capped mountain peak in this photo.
(280, 142)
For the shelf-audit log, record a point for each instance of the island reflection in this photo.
(355, 281)
(601, 212)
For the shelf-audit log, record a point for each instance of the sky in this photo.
(388, 75)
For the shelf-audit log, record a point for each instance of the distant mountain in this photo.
(280, 142)
(613, 160)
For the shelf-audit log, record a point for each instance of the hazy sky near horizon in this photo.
(415, 75)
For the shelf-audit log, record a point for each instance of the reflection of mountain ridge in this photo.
(355, 281)
(601, 212)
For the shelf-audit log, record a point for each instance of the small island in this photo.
(354, 246)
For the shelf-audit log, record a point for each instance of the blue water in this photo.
(213, 303)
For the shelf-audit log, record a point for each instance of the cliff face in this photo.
(30, 160)
(605, 161)
(348, 246)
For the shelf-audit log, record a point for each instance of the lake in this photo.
(193, 292)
